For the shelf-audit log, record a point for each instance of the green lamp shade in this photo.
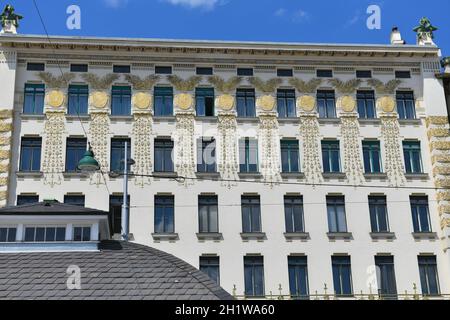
(88, 162)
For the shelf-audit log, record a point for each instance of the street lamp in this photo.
(88, 162)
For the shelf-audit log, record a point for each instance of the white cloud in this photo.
(280, 12)
(300, 16)
(207, 4)
(115, 3)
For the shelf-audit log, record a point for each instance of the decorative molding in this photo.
(227, 141)
(144, 84)
(56, 82)
(386, 104)
(390, 132)
(184, 85)
(352, 152)
(309, 131)
(225, 86)
(53, 155)
(384, 88)
(266, 103)
(100, 83)
(98, 136)
(225, 102)
(184, 101)
(306, 103)
(185, 146)
(6, 119)
(267, 87)
(345, 87)
(270, 145)
(99, 99)
(142, 101)
(305, 87)
(347, 104)
(142, 148)
(55, 98)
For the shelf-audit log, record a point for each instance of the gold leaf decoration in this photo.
(223, 86)
(56, 82)
(184, 85)
(305, 87)
(142, 84)
(345, 87)
(268, 86)
(384, 88)
(100, 83)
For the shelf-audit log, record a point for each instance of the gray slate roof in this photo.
(49, 208)
(119, 271)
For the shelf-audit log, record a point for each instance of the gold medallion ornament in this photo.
(141, 100)
(348, 103)
(225, 102)
(99, 99)
(184, 101)
(55, 98)
(307, 103)
(387, 104)
(266, 103)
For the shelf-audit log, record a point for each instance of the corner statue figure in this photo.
(425, 30)
(8, 15)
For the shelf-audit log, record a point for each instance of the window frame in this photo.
(427, 264)
(75, 196)
(211, 203)
(202, 95)
(294, 264)
(334, 203)
(75, 149)
(286, 99)
(338, 263)
(364, 98)
(163, 145)
(83, 229)
(35, 92)
(246, 102)
(370, 147)
(251, 214)
(117, 147)
(250, 148)
(375, 202)
(297, 224)
(411, 150)
(203, 144)
(36, 151)
(326, 104)
(121, 100)
(418, 204)
(210, 262)
(79, 93)
(288, 148)
(45, 227)
(163, 101)
(8, 237)
(406, 105)
(164, 202)
(329, 150)
(254, 265)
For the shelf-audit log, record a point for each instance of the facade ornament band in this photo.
(310, 133)
(270, 145)
(99, 134)
(142, 148)
(185, 146)
(352, 152)
(53, 164)
(227, 142)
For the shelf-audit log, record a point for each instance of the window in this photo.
(285, 73)
(363, 74)
(163, 70)
(246, 103)
(248, 155)
(27, 199)
(76, 200)
(324, 73)
(206, 155)
(293, 212)
(342, 275)
(78, 100)
(204, 102)
(121, 69)
(428, 275)
(402, 74)
(420, 214)
(298, 277)
(82, 234)
(118, 154)
(208, 215)
(164, 214)
(79, 68)
(337, 222)
(286, 103)
(115, 213)
(8, 234)
(75, 149)
(387, 287)
(30, 154)
(413, 157)
(45, 234)
(372, 156)
(331, 157)
(31, 66)
(121, 101)
(245, 72)
(163, 101)
(378, 214)
(34, 99)
(290, 156)
(406, 105)
(163, 155)
(326, 103)
(251, 214)
(211, 266)
(254, 276)
(204, 71)
(366, 104)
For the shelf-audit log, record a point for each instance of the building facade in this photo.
(278, 169)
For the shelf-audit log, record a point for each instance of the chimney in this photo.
(396, 37)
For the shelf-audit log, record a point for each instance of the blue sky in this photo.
(338, 21)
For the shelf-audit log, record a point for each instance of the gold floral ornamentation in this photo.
(437, 120)
(440, 145)
(443, 196)
(348, 103)
(3, 195)
(268, 135)
(386, 104)
(4, 167)
(5, 154)
(6, 114)
(307, 103)
(99, 99)
(266, 102)
(438, 133)
(5, 127)
(442, 183)
(55, 98)
(225, 102)
(3, 182)
(142, 100)
(184, 101)
(5, 141)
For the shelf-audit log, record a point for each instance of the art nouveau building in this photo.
(304, 165)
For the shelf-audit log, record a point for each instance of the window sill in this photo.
(25, 116)
(297, 236)
(206, 118)
(289, 120)
(417, 176)
(247, 119)
(373, 121)
(382, 235)
(163, 118)
(329, 121)
(208, 175)
(121, 118)
(79, 175)
(375, 176)
(210, 236)
(293, 175)
(250, 175)
(414, 122)
(165, 236)
(424, 235)
(72, 117)
(334, 175)
(164, 175)
(340, 235)
(259, 236)
(29, 174)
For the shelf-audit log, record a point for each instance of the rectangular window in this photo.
(30, 154)
(211, 266)
(285, 73)
(254, 276)
(76, 200)
(75, 149)
(403, 74)
(208, 214)
(163, 70)
(290, 156)
(372, 156)
(79, 68)
(413, 156)
(121, 101)
(163, 101)
(331, 157)
(164, 214)
(298, 277)
(324, 73)
(32, 66)
(248, 155)
(204, 102)
(428, 275)
(27, 199)
(121, 69)
(163, 155)
(82, 234)
(78, 100)
(118, 154)
(206, 155)
(337, 221)
(342, 275)
(34, 99)
(387, 287)
(245, 99)
(245, 72)
(206, 71)
(286, 103)
(366, 104)
(8, 234)
(115, 213)
(363, 74)
(378, 214)
(293, 212)
(420, 214)
(326, 104)
(45, 234)
(251, 214)
(406, 105)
